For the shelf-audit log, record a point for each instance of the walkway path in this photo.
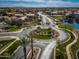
(68, 47)
(1, 51)
(48, 50)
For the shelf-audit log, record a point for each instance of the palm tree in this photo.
(25, 41)
(30, 36)
(31, 47)
(24, 47)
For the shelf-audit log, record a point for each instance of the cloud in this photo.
(42, 0)
(30, 0)
(37, 3)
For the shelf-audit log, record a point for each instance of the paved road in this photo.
(16, 33)
(48, 50)
(8, 34)
(63, 35)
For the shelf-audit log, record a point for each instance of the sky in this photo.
(39, 3)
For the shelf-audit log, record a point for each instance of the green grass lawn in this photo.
(74, 48)
(5, 43)
(58, 17)
(11, 49)
(32, 23)
(45, 30)
(42, 36)
(14, 28)
(61, 25)
(61, 48)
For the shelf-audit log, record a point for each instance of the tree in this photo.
(17, 22)
(3, 13)
(24, 47)
(77, 20)
(58, 42)
(32, 47)
(25, 41)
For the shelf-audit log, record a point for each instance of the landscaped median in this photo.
(61, 48)
(5, 43)
(9, 50)
(36, 53)
(68, 47)
(74, 48)
(41, 33)
(67, 50)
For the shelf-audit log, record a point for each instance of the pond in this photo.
(74, 24)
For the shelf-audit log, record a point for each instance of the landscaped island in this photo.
(40, 33)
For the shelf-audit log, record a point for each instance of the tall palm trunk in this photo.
(24, 47)
(24, 50)
(32, 48)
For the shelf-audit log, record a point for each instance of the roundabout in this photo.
(44, 33)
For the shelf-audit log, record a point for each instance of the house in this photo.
(3, 25)
(19, 15)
